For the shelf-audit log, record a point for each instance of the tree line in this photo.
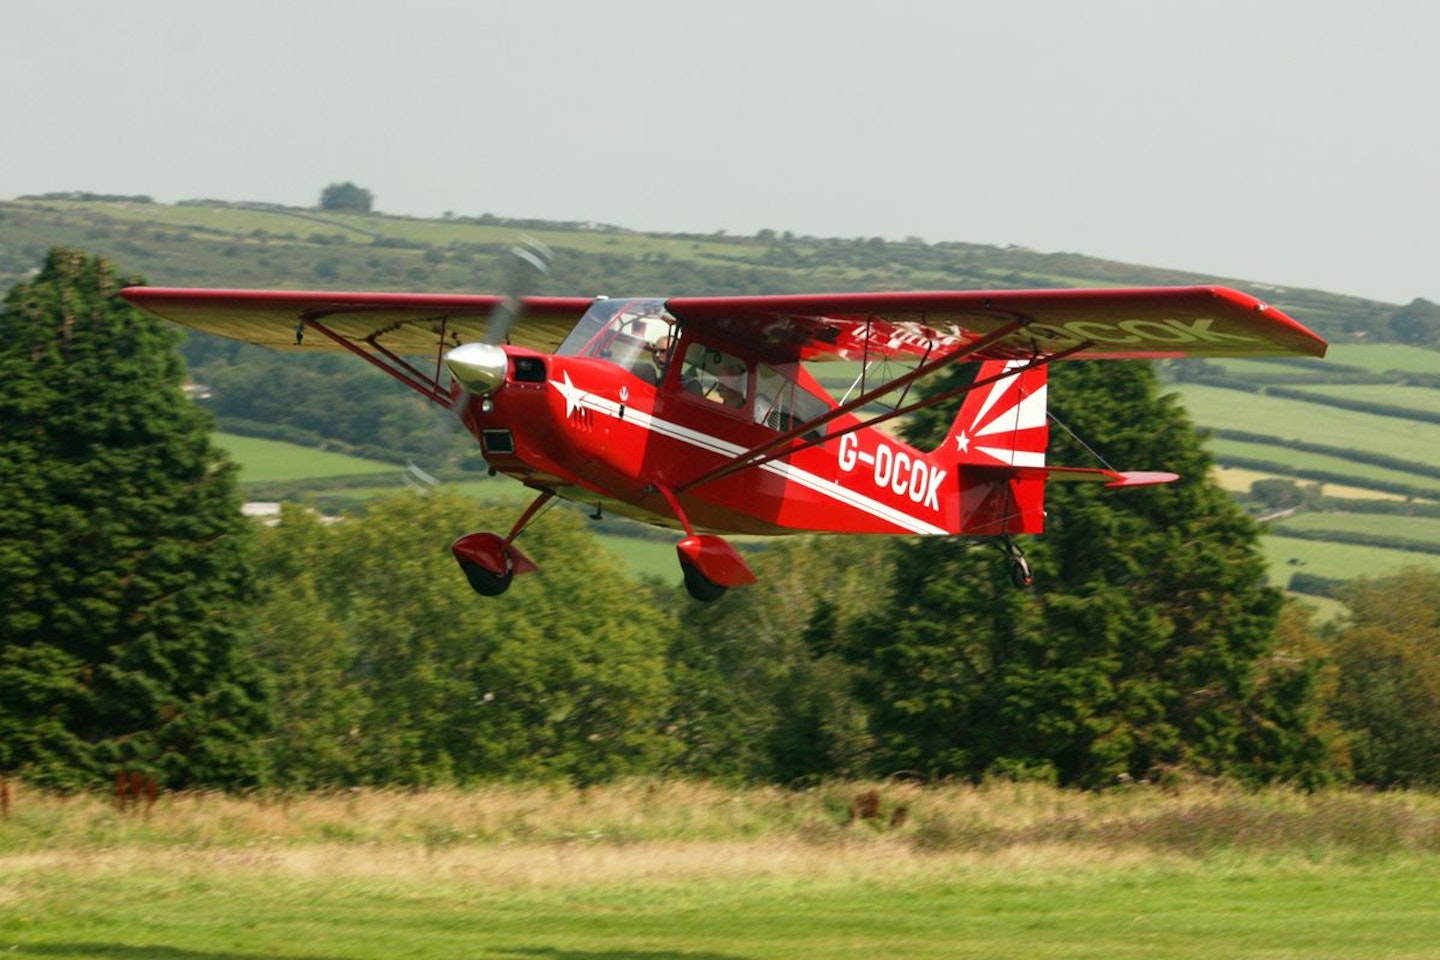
(145, 625)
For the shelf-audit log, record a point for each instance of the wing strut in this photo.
(395, 366)
(763, 453)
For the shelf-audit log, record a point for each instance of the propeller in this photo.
(529, 261)
(480, 367)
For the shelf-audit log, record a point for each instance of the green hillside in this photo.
(1348, 449)
(1345, 448)
(212, 243)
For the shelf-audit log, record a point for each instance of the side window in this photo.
(781, 404)
(715, 376)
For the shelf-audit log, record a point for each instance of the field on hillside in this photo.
(1289, 419)
(1345, 472)
(1227, 450)
(1336, 560)
(672, 870)
(271, 461)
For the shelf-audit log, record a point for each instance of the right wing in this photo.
(1085, 324)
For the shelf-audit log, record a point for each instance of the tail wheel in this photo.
(701, 587)
(1020, 574)
(484, 582)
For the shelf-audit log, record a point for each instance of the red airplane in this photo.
(701, 413)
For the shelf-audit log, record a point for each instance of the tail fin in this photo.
(996, 443)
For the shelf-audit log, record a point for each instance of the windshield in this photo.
(635, 334)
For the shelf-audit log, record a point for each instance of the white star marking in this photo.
(573, 395)
(963, 442)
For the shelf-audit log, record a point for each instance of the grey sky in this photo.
(1287, 142)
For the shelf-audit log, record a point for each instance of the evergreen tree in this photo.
(122, 550)
(1148, 643)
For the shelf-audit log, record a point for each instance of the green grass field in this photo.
(1239, 480)
(1425, 400)
(664, 871)
(1224, 449)
(1337, 561)
(1384, 357)
(334, 905)
(270, 461)
(1296, 420)
(1423, 529)
(1373, 357)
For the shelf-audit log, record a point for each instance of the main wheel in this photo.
(701, 587)
(484, 582)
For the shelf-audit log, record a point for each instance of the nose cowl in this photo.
(480, 367)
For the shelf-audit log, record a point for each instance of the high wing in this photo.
(390, 329)
(402, 324)
(1089, 324)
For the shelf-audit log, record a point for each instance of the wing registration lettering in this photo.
(1161, 333)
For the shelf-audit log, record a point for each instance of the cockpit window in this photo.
(634, 334)
(715, 375)
(781, 403)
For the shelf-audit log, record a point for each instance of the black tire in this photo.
(701, 587)
(484, 582)
(1020, 574)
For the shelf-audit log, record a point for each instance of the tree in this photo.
(390, 670)
(122, 550)
(346, 198)
(1417, 322)
(1147, 645)
(1387, 650)
(762, 691)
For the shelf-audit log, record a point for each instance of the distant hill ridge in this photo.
(222, 243)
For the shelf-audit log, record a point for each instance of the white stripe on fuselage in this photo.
(575, 397)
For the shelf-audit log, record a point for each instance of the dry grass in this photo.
(675, 832)
(527, 867)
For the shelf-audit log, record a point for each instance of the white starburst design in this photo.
(573, 395)
(1006, 411)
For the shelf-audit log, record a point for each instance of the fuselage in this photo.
(632, 404)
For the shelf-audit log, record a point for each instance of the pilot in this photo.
(731, 377)
(660, 354)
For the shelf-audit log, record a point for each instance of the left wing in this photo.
(1091, 324)
(402, 324)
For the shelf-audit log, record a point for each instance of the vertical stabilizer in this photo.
(1001, 428)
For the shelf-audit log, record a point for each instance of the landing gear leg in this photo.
(1020, 574)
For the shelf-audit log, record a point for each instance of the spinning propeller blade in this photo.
(480, 367)
(529, 260)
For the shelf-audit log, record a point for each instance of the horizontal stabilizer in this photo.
(1111, 478)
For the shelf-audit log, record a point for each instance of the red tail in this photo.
(1000, 432)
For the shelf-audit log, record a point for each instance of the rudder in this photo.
(1000, 431)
